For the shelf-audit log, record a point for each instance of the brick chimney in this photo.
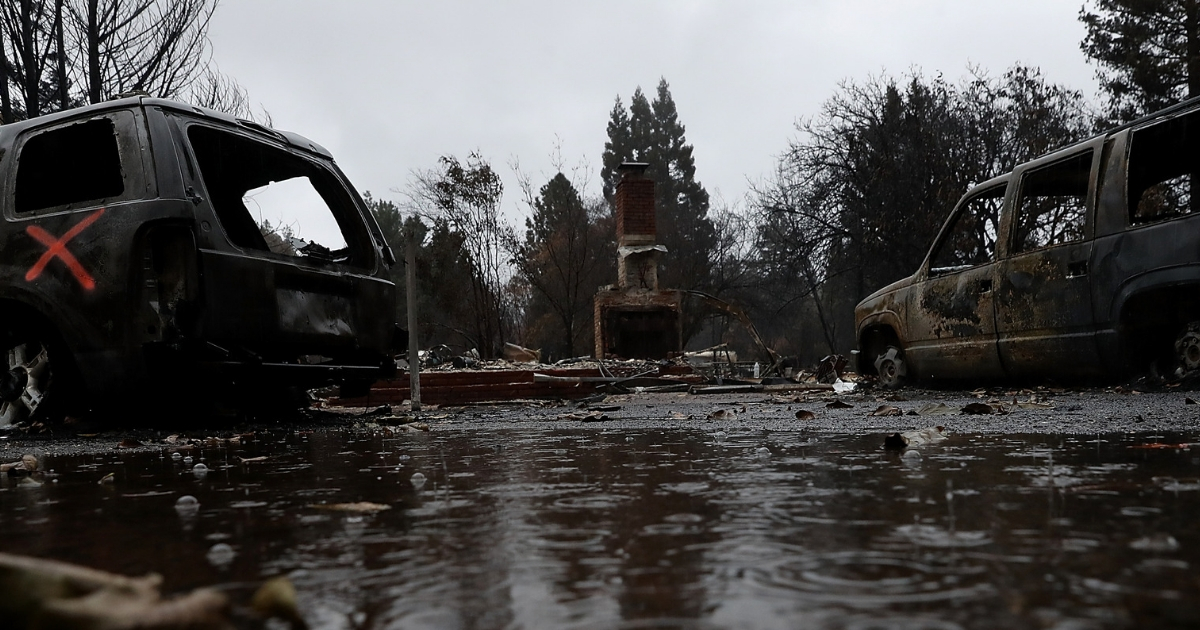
(637, 252)
(635, 319)
(635, 206)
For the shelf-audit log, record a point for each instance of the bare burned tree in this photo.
(466, 198)
(856, 200)
(5, 98)
(216, 90)
(28, 30)
(56, 54)
(153, 46)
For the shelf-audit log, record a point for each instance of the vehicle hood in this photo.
(899, 284)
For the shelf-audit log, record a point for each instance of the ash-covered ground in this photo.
(997, 410)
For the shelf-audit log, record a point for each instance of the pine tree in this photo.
(563, 256)
(651, 132)
(1148, 52)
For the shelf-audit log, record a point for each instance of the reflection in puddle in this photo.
(645, 529)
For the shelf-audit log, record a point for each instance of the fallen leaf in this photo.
(277, 598)
(978, 409)
(805, 415)
(1188, 401)
(594, 416)
(361, 507)
(1032, 404)
(723, 414)
(936, 409)
(837, 404)
(24, 466)
(885, 411)
(106, 479)
(129, 443)
(928, 435)
(925, 436)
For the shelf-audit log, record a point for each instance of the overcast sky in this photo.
(390, 85)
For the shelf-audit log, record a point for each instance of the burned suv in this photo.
(150, 245)
(1082, 263)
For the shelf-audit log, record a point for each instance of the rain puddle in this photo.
(645, 529)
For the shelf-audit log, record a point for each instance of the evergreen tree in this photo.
(651, 132)
(1148, 52)
(563, 257)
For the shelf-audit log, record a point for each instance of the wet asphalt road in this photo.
(1077, 411)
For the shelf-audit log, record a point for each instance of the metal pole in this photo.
(414, 361)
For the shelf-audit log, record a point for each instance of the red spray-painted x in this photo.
(57, 248)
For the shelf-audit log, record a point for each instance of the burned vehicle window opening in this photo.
(971, 239)
(269, 199)
(1162, 164)
(70, 165)
(1052, 209)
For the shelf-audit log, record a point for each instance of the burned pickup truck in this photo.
(139, 256)
(1082, 263)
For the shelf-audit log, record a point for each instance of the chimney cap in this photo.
(632, 168)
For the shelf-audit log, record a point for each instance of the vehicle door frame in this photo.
(1044, 317)
(950, 316)
(261, 302)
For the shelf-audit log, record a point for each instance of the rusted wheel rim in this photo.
(1189, 350)
(25, 383)
(890, 368)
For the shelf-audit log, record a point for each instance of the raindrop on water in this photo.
(762, 451)
(417, 480)
(200, 470)
(187, 460)
(187, 505)
(220, 555)
(1156, 542)
(176, 456)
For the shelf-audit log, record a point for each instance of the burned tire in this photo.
(35, 377)
(890, 367)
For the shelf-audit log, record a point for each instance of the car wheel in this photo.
(27, 382)
(1187, 347)
(36, 373)
(890, 367)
